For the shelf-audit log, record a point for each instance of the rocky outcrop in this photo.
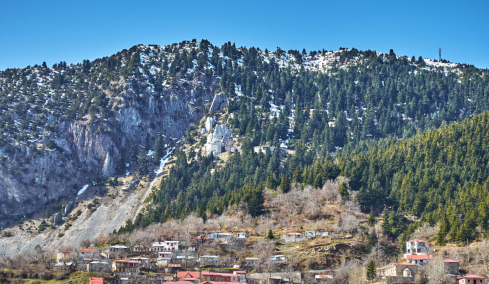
(221, 136)
(220, 100)
(209, 124)
(88, 149)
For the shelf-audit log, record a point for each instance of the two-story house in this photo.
(125, 267)
(218, 277)
(165, 246)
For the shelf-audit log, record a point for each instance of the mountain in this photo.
(68, 126)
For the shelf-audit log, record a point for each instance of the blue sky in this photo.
(35, 31)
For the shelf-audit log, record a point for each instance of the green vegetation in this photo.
(370, 118)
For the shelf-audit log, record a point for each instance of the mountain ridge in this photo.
(97, 109)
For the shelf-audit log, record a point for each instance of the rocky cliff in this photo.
(47, 170)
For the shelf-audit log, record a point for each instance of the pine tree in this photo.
(371, 274)
(371, 219)
(386, 227)
(143, 162)
(48, 212)
(285, 184)
(158, 149)
(270, 235)
(343, 192)
(120, 166)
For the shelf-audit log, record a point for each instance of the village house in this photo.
(278, 258)
(323, 278)
(186, 260)
(251, 261)
(96, 280)
(62, 265)
(165, 246)
(98, 266)
(191, 276)
(161, 278)
(90, 253)
(310, 234)
(420, 259)
(276, 277)
(173, 268)
(451, 266)
(143, 261)
(471, 279)
(64, 255)
(179, 282)
(118, 248)
(218, 277)
(293, 235)
(416, 247)
(209, 260)
(165, 254)
(241, 275)
(125, 267)
(400, 271)
(141, 248)
(220, 236)
(163, 261)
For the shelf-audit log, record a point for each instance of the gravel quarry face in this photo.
(110, 215)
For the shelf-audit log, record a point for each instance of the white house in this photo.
(143, 261)
(65, 255)
(118, 248)
(322, 234)
(165, 246)
(310, 234)
(278, 258)
(165, 254)
(220, 236)
(241, 235)
(251, 261)
(210, 260)
(416, 247)
(98, 266)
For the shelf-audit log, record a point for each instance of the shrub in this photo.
(61, 276)
(45, 275)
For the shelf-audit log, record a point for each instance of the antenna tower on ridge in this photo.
(439, 54)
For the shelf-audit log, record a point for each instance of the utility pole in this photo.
(439, 54)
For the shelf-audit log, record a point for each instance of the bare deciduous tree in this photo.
(437, 272)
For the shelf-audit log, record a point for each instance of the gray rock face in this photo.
(209, 123)
(221, 133)
(221, 136)
(57, 220)
(220, 100)
(69, 207)
(90, 149)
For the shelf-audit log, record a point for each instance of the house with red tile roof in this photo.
(191, 276)
(399, 269)
(96, 280)
(91, 253)
(418, 258)
(471, 279)
(451, 266)
(219, 277)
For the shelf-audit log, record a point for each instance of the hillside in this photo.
(67, 128)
